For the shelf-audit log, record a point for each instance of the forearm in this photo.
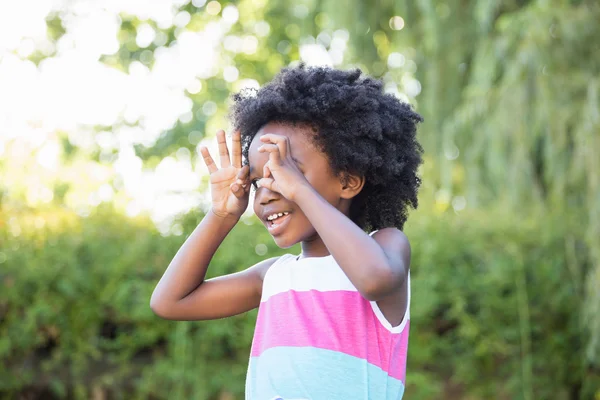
(188, 268)
(361, 258)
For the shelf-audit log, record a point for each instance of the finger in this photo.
(246, 186)
(280, 141)
(223, 151)
(208, 160)
(268, 183)
(266, 171)
(243, 173)
(274, 152)
(236, 149)
(237, 190)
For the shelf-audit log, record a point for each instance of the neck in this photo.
(314, 247)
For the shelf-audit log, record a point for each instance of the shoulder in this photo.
(259, 270)
(394, 242)
(256, 274)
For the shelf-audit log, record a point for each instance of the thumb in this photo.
(266, 171)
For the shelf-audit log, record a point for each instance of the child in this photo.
(331, 157)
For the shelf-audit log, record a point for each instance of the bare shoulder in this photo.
(259, 270)
(253, 275)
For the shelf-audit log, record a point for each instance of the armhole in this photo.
(377, 311)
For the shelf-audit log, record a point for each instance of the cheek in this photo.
(255, 202)
(326, 188)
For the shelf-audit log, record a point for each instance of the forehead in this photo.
(302, 148)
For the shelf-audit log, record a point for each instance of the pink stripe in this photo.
(336, 320)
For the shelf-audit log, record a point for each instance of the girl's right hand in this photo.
(229, 185)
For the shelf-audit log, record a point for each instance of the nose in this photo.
(264, 196)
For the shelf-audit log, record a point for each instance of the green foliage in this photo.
(75, 308)
(494, 311)
(506, 299)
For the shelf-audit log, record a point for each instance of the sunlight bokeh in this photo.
(72, 93)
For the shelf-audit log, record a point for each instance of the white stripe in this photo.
(383, 320)
(314, 273)
(322, 274)
(311, 273)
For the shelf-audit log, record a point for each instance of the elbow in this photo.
(158, 307)
(380, 285)
(374, 293)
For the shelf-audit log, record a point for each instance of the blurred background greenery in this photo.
(103, 106)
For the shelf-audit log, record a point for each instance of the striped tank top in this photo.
(317, 338)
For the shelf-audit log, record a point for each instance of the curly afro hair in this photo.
(362, 130)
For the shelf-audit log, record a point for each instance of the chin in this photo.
(284, 242)
(289, 239)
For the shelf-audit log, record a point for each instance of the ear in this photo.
(351, 186)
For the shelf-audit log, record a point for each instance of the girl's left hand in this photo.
(280, 173)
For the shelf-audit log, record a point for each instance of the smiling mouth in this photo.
(276, 222)
(276, 216)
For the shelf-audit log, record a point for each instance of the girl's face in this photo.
(315, 167)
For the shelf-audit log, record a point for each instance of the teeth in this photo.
(277, 215)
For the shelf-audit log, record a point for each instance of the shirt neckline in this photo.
(297, 258)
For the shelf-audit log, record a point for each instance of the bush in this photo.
(496, 309)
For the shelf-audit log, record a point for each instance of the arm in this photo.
(377, 266)
(183, 294)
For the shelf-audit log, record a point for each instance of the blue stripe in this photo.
(292, 373)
